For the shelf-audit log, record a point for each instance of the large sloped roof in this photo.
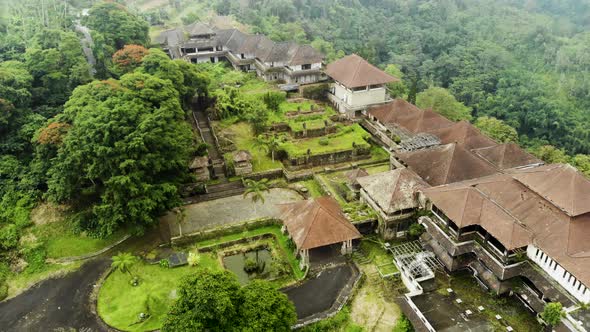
(508, 155)
(535, 219)
(353, 71)
(394, 190)
(468, 206)
(446, 164)
(393, 111)
(316, 223)
(306, 54)
(424, 121)
(171, 37)
(465, 134)
(199, 29)
(561, 184)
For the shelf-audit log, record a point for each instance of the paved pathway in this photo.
(60, 304)
(317, 295)
(230, 210)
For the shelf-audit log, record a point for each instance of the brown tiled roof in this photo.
(465, 134)
(242, 155)
(353, 71)
(394, 190)
(198, 29)
(172, 37)
(561, 184)
(467, 206)
(424, 121)
(508, 155)
(393, 111)
(317, 223)
(563, 237)
(446, 164)
(356, 173)
(306, 54)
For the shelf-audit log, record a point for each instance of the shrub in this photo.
(3, 291)
(317, 92)
(9, 237)
(273, 99)
(416, 230)
(35, 257)
(164, 263)
(552, 313)
(403, 325)
(250, 265)
(324, 141)
(193, 258)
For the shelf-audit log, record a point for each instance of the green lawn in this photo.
(315, 190)
(378, 254)
(60, 241)
(378, 169)
(294, 106)
(340, 141)
(282, 240)
(245, 140)
(119, 303)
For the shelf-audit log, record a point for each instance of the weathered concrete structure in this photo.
(288, 62)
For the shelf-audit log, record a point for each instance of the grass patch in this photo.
(377, 253)
(22, 281)
(60, 241)
(282, 240)
(340, 141)
(315, 190)
(119, 303)
(244, 139)
(378, 169)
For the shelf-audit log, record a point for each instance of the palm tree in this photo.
(256, 189)
(261, 144)
(273, 144)
(180, 217)
(123, 262)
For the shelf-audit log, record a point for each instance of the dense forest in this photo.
(103, 130)
(100, 131)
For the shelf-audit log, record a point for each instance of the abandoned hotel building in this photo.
(518, 224)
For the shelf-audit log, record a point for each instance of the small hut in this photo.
(242, 162)
(318, 226)
(200, 167)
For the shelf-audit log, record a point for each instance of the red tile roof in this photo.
(464, 134)
(353, 71)
(316, 223)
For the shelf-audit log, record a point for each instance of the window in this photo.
(546, 258)
(306, 66)
(564, 273)
(537, 253)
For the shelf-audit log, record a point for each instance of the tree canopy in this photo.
(126, 149)
(496, 129)
(214, 301)
(443, 102)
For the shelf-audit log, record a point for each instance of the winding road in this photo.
(59, 304)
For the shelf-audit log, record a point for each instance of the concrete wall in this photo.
(559, 274)
(360, 98)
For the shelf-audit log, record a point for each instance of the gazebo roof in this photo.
(317, 223)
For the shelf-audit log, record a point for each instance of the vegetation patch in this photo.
(345, 139)
(62, 241)
(120, 304)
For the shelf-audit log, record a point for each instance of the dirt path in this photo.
(371, 306)
(56, 304)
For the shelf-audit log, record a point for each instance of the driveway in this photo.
(317, 295)
(60, 304)
(229, 210)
